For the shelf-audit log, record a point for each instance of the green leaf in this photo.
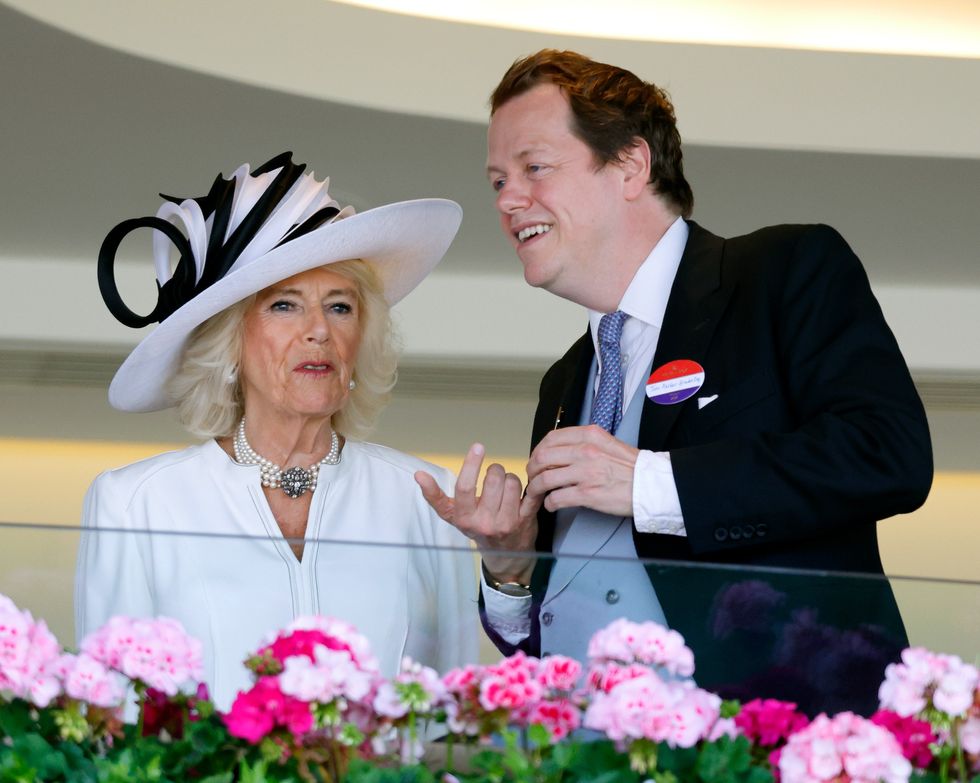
(757, 774)
(723, 760)
(680, 761)
(48, 762)
(15, 718)
(539, 735)
(221, 777)
(730, 708)
(564, 754)
(600, 762)
(248, 773)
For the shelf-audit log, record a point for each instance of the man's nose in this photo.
(513, 196)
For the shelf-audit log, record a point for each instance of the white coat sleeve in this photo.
(111, 576)
(459, 619)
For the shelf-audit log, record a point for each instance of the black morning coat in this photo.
(816, 434)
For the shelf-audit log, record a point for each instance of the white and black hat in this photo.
(249, 232)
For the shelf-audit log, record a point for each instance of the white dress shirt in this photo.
(656, 506)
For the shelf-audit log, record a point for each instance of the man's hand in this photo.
(499, 520)
(583, 466)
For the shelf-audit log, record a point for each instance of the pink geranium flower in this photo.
(87, 679)
(604, 677)
(559, 673)
(769, 721)
(316, 669)
(623, 641)
(559, 716)
(157, 652)
(29, 656)
(970, 736)
(328, 675)
(416, 688)
(648, 707)
(913, 735)
(845, 749)
(923, 679)
(464, 712)
(323, 660)
(264, 707)
(305, 633)
(511, 684)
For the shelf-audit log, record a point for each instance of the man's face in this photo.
(561, 213)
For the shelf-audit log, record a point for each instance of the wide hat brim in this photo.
(403, 242)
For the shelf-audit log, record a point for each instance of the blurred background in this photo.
(861, 114)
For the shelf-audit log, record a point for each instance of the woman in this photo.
(274, 344)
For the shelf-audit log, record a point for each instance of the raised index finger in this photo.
(466, 481)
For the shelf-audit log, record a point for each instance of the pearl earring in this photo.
(352, 385)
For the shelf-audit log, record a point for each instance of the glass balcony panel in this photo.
(820, 639)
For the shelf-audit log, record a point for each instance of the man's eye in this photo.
(535, 168)
(497, 184)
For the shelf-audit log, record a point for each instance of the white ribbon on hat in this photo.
(304, 198)
(187, 216)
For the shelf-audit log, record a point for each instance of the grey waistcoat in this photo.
(586, 594)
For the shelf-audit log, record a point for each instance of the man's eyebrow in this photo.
(522, 155)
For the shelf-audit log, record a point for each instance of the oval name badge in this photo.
(675, 382)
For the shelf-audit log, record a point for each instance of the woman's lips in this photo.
(313, 368)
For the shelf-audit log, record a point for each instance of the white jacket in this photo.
(201, 545)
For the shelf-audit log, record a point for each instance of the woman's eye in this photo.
(281, 305)
(341, 307)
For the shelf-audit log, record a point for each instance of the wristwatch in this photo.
(513, 589)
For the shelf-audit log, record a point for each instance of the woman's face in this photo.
(301, 338)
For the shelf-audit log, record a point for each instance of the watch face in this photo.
(513, 589)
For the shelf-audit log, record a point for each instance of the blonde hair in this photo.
(208, 391)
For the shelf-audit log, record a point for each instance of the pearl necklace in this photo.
(296, 480)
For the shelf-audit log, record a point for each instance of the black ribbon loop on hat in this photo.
(169, 295)
(220, 255)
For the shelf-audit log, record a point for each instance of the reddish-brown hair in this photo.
(612, 108)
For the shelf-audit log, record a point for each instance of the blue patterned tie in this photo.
(607, 407)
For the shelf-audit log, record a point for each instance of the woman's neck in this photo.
(289, 440)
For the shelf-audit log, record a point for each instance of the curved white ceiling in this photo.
(734, 96)
(947, 28)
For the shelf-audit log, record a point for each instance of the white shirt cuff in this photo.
(656, 507)
(508, 615)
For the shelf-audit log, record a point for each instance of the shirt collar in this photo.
(646, 296)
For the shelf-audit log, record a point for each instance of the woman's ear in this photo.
(635, 162)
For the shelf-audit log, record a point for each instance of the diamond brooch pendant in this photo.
(296, 481)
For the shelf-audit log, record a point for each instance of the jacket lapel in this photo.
(696, 303)
(562, 396)
(563, 391)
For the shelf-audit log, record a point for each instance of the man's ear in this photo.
(635, 162)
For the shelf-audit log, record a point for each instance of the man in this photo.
(779, 421)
